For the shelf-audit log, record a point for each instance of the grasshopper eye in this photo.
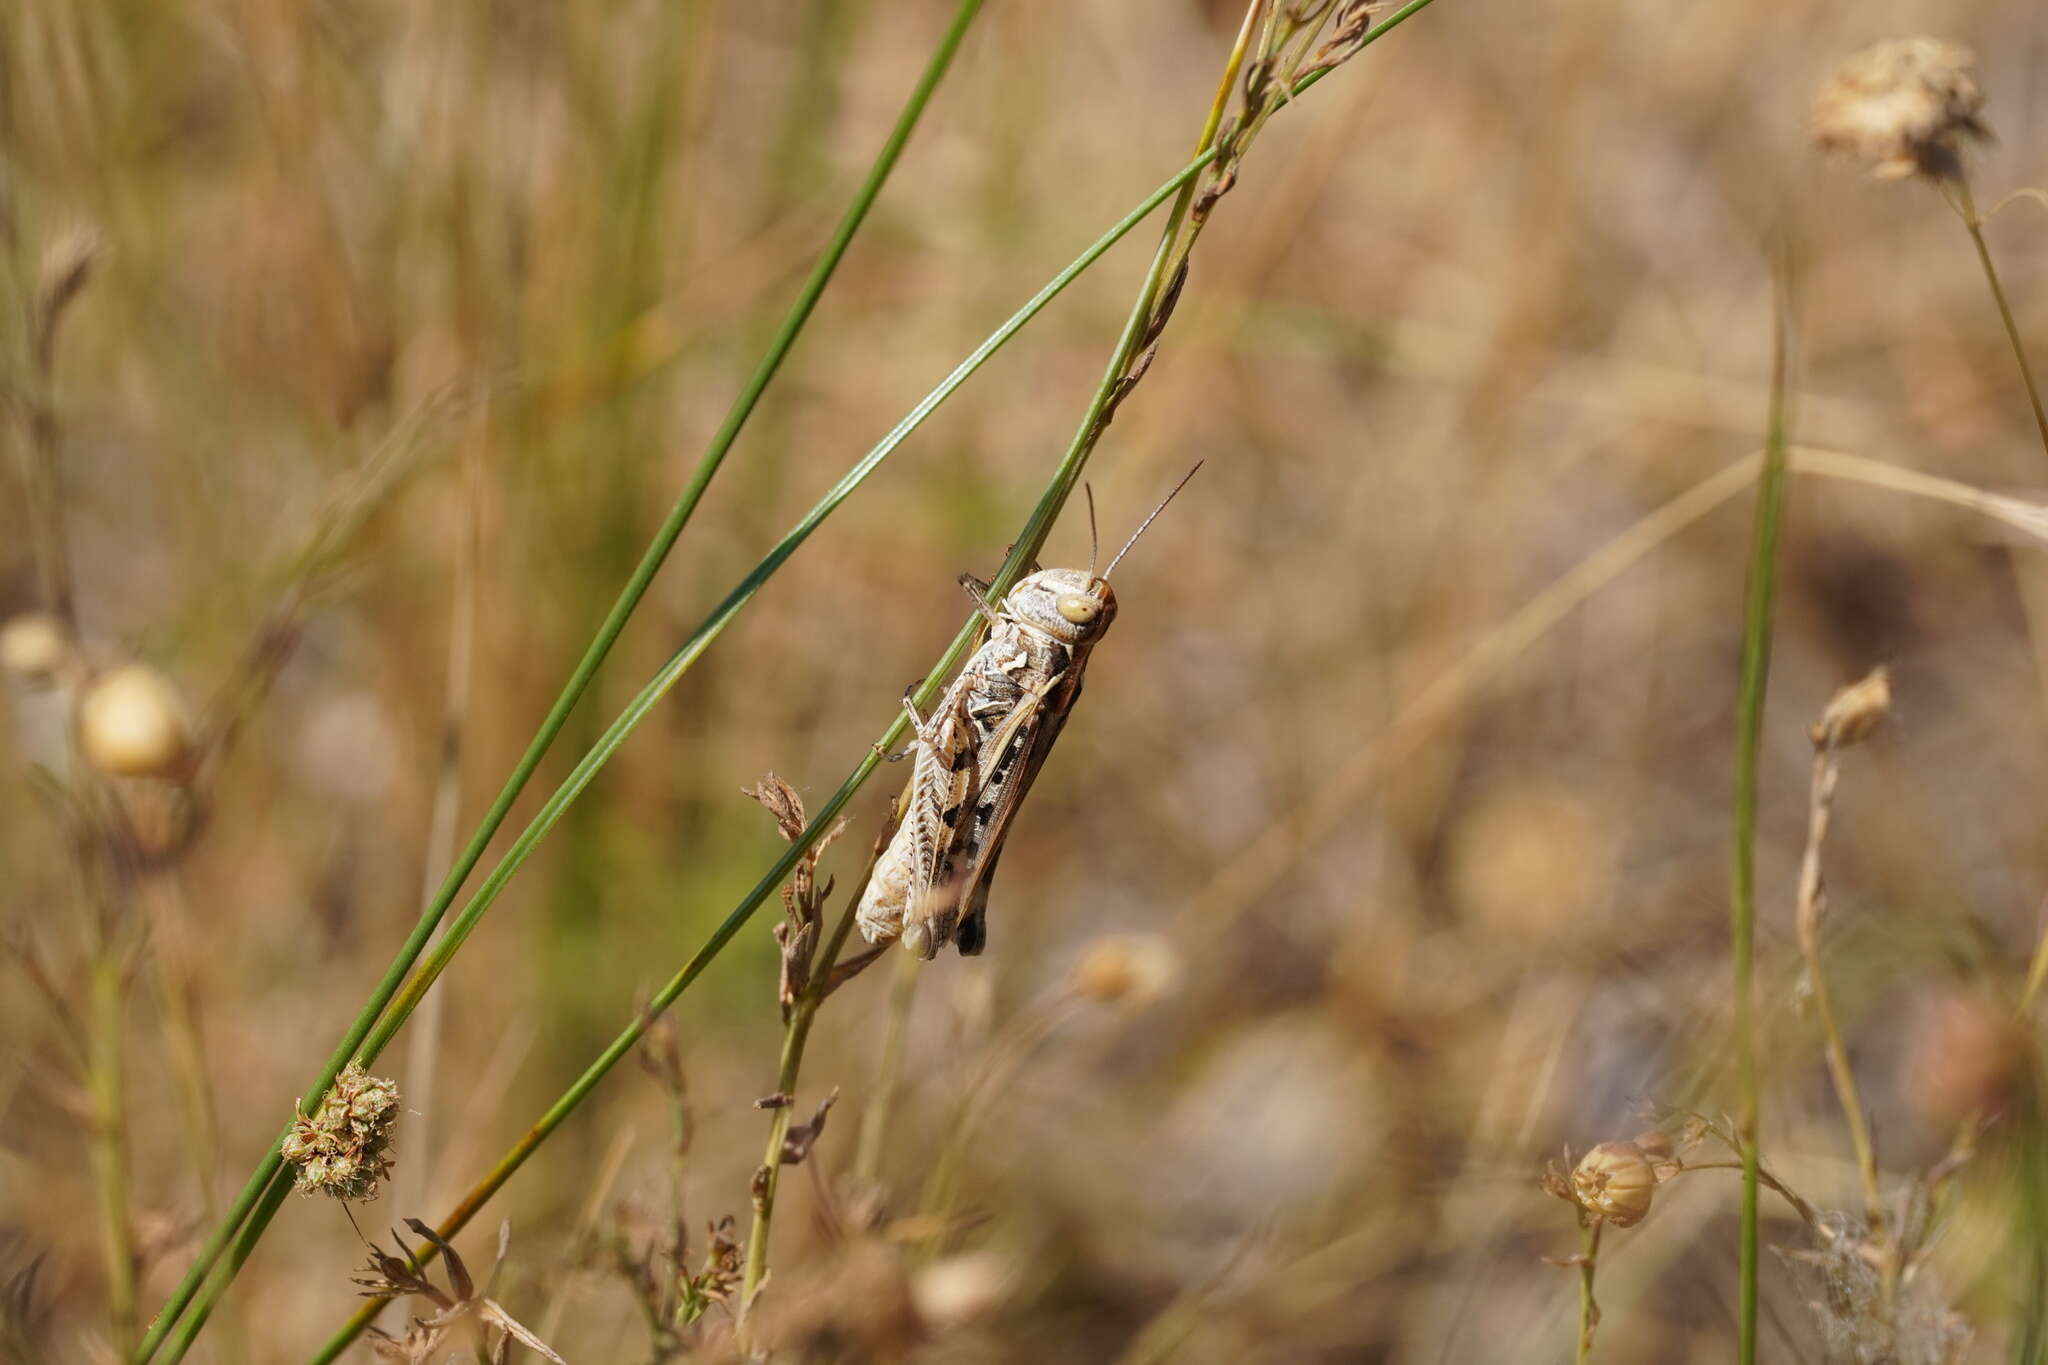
(1078, 608)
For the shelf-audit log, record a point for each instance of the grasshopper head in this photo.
(1071, 605)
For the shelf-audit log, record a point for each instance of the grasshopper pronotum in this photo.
(980, 749)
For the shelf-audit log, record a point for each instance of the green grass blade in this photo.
(1027, 543)
(700, 639)
(600, 646)
(1749, 716)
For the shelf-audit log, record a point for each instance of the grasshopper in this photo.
(980, 749)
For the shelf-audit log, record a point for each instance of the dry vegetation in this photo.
(352, 351)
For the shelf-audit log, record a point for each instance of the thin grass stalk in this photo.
(1756, 665)
(779, 873)
(874, 1120)
(67, 265)
(1820, 804)
(171, 975)
(1019, 1042)
(579, 680)
(709, 630)
(1022, 554)
(110, 1142)
(1094, 422)
(795, 1036)
(1966, 208)
(2037, 970)
(2030, 1171)
(1589, 1263)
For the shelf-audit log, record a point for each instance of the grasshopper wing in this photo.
(1011, 760)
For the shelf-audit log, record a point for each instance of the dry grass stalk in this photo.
(1849, 718)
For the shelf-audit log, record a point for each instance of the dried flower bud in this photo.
(132, 723)
(343, 1148)
(1855, 712)
(1127, 969)
(34, 647)
(1904, 107)
(1616, 1181)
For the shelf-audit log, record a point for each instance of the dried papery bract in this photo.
(803, 900)
(1657, 1147)
(464, 1314)
(1906, 106)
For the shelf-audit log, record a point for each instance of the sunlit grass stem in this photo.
(1965, 205)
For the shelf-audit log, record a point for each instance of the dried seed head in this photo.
(1855, 712)
(132, 723)
(1135, 970)
(1616, 1181)
(1903, 107)
(35, 647)
(343, 1148)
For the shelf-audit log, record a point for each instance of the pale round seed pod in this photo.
(960, 1289)
(1616, 1181)
(132, 723)
(1134, 970)
(34, 647)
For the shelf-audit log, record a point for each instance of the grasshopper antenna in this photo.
(1094, 547)
(1148, 520)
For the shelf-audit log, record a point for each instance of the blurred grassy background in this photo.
(1490, 296)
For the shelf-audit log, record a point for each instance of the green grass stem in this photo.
(1024, 551)
(267, 1172)
(1756, 667)
(666, 677)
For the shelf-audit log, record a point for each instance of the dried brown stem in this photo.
(1812, 909)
